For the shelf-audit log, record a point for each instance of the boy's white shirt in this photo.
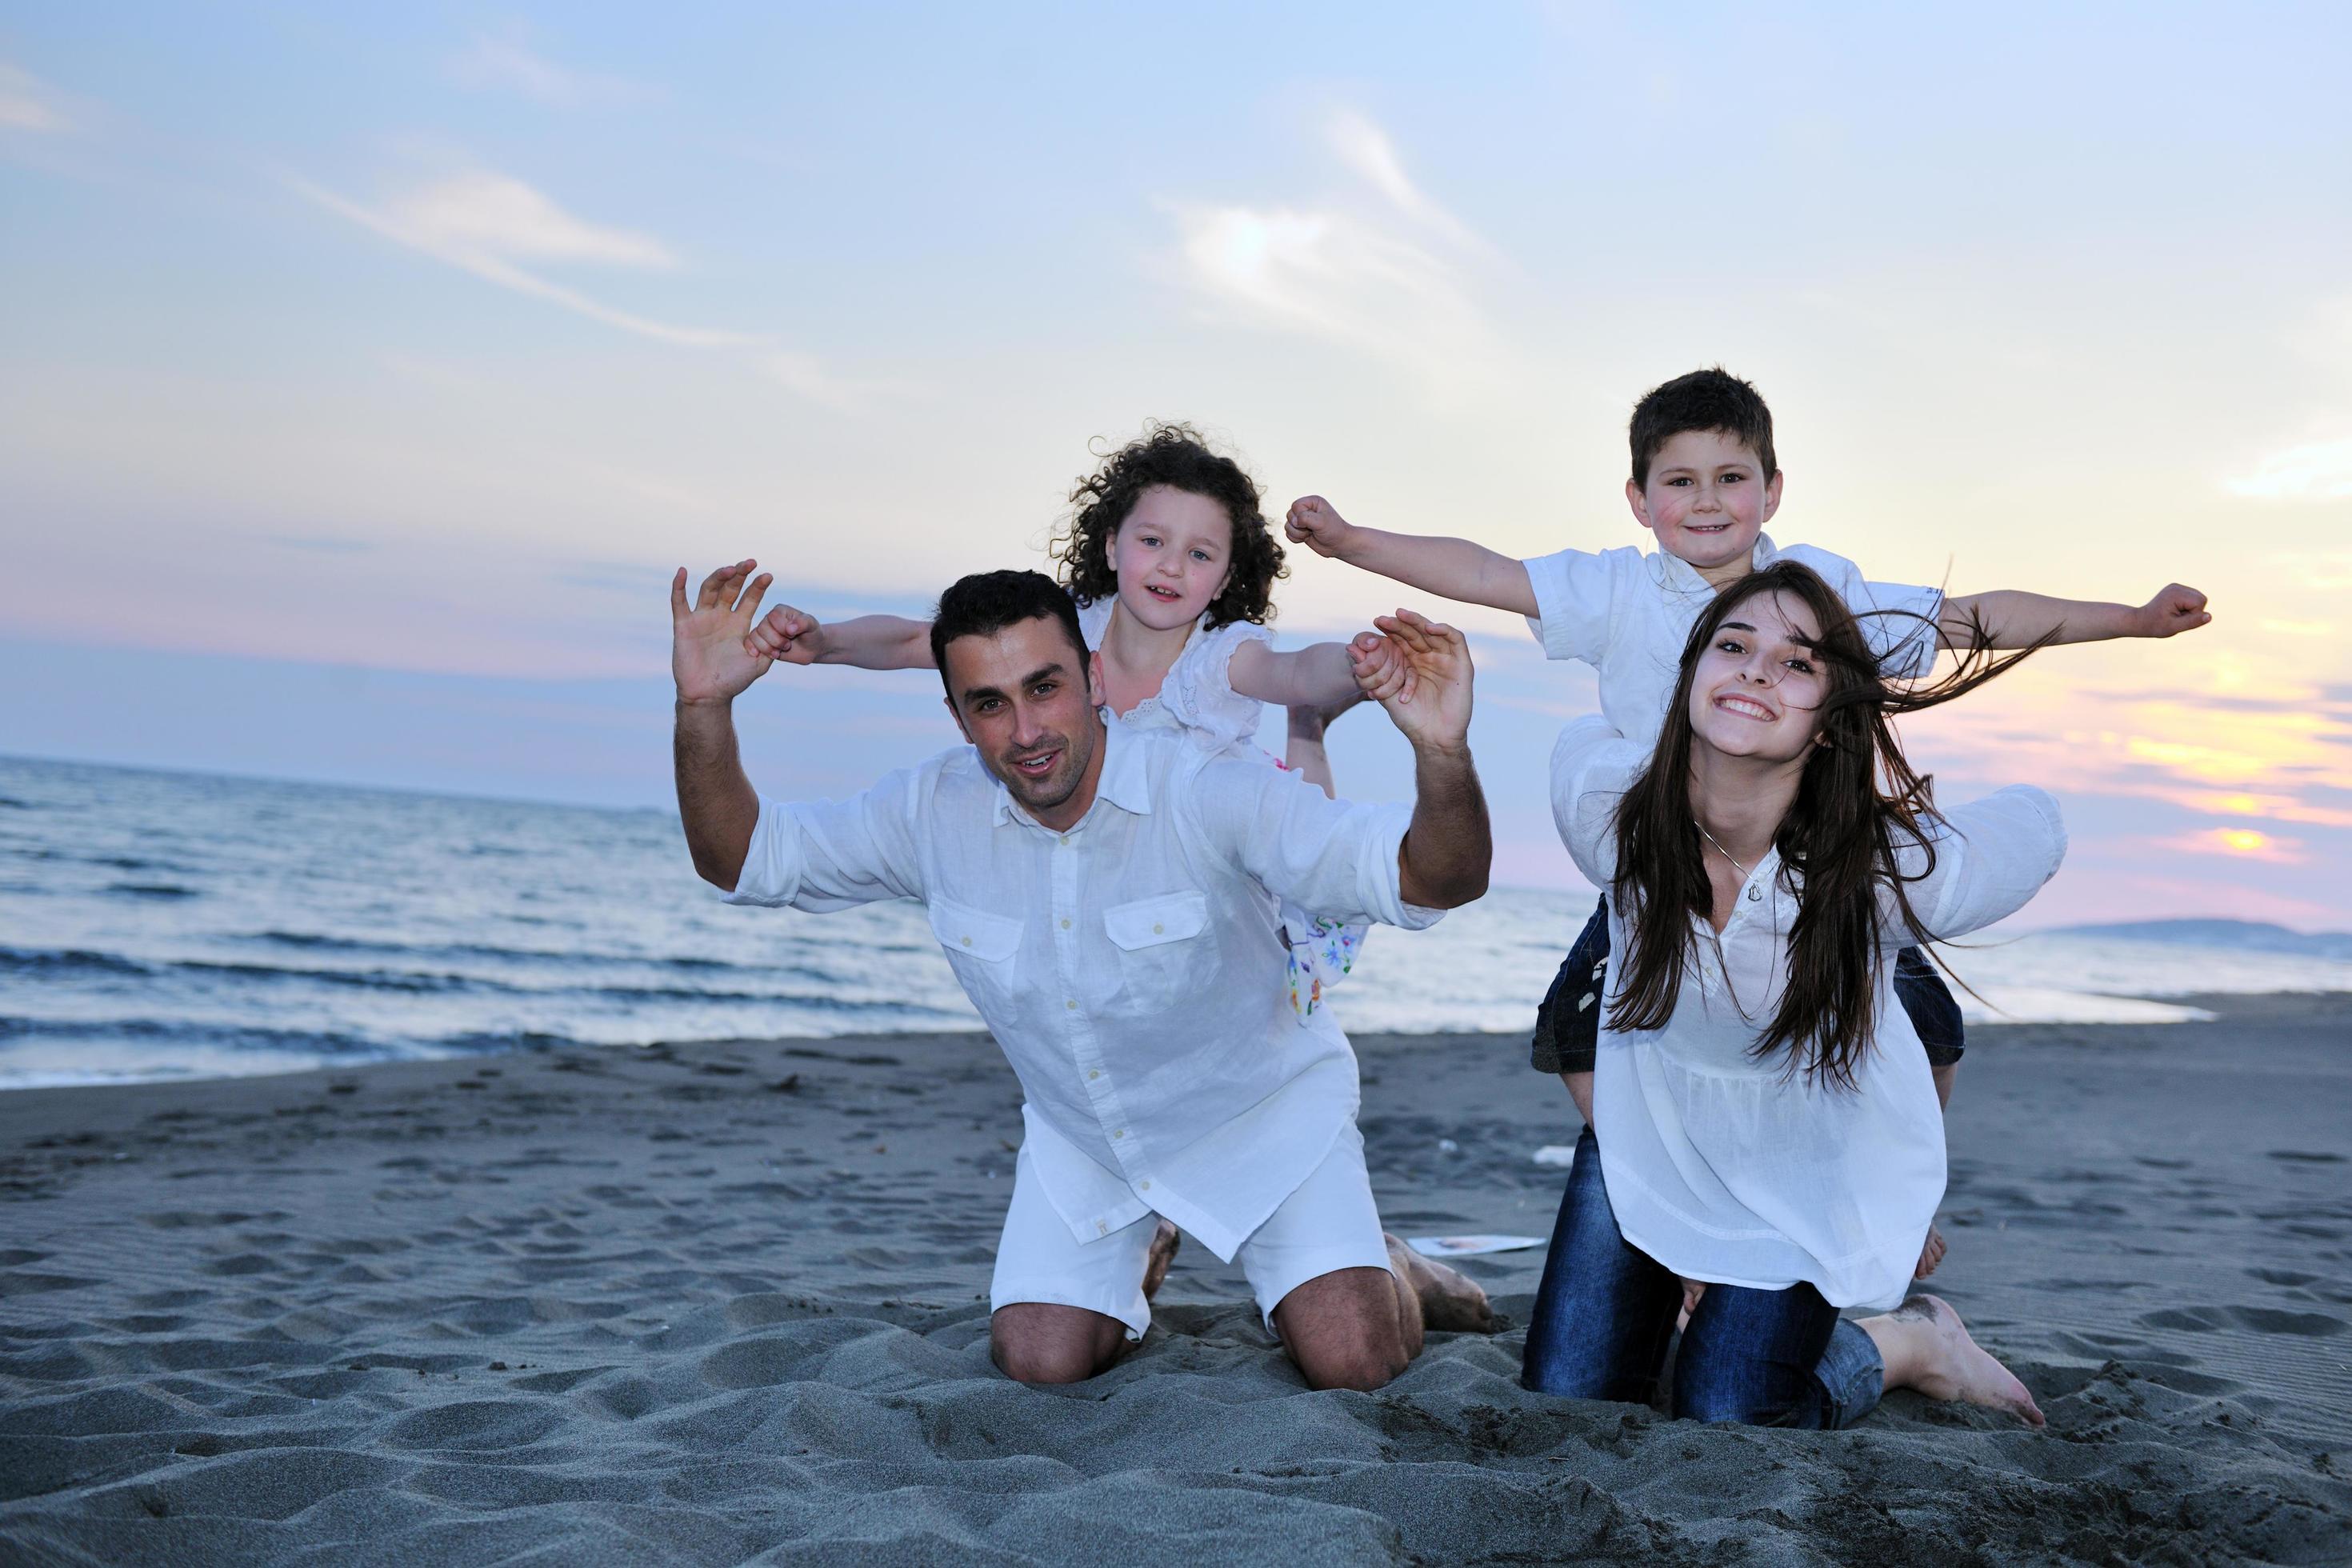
(1628, 611)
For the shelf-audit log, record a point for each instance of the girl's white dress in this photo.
(1197, 697)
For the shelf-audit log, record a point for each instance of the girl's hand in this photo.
(1316, 523)
(785, 634)
(1381, 672)
(1930, 1255)
(1438, 716)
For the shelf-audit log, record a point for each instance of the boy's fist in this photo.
(2178, 608)
(785, 634)
(1316, 523)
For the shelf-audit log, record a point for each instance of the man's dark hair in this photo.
(988, 602)
(1703, 400)
(1176, 456)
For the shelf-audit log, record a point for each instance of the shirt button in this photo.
(967, 941)
(1145, 1185)
(1157, 928)
(1093, 1073)
(1065, 925)
(1072, 1004)
(1120, 1133)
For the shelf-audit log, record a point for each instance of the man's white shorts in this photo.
(1328, 1222)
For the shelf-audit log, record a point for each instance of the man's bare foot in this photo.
(1164, 1241)
(1925, 1346)
(1930, 1255)
(1450, 1301)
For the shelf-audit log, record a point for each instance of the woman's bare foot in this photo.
(1164, 1242)
(1450, 1301)
(1925, 1346)
(1930, 1255)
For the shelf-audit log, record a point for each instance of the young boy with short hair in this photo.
(1704, 481)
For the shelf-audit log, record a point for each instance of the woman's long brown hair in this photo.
(1858, 800)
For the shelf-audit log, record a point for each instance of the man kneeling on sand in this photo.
(1109, 897)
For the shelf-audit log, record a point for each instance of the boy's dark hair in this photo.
(1175, 455)
(1703, 400)
(989, 602)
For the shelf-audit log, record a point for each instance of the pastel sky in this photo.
(364, 370)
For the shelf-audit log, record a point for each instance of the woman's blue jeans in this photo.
(1605, 1315)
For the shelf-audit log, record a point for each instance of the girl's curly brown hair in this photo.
(1175, 455)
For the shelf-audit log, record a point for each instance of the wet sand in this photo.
(724, 1303)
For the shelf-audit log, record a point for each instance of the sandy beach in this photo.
(724, 1303)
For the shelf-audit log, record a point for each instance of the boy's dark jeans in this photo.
(1605, 1314)
(1568, 1023)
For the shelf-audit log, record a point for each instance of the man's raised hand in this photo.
(1431, 705)
(710, 654)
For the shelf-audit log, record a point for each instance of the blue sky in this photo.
(366, 371)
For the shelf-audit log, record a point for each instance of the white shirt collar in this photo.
(1682, 576)
(1125, 780)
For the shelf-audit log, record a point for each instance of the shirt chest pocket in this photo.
(982, 949)
(1159, 951)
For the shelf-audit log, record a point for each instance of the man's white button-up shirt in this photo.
(1132, 967)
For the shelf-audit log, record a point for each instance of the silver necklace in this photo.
(1753, 893)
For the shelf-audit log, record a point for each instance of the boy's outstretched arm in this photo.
(1453, 568)
(2016, 619)
(868, 642)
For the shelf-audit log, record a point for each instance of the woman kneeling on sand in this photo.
(1761, 1120)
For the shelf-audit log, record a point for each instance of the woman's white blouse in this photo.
(1727, 1168)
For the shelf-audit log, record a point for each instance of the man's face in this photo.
(1707, 498)
(1023, 696)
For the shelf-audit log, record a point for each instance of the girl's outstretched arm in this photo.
(1318, 676)
(868, 642)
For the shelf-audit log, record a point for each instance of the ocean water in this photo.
(160, 925)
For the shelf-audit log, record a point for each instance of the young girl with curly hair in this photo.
(1172, 564)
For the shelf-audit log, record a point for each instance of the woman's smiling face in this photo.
(1758, 686)
(1171, 557)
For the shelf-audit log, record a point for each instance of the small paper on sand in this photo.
(1560, 1154)
(1463, 1246)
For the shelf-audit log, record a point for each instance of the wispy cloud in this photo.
(493, 268)
(2320, 471)
(1365, 148)
(2237, 843)
(507, 65)
(485, 223)
(495, 215)
(29, 104)
(1385, 278)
